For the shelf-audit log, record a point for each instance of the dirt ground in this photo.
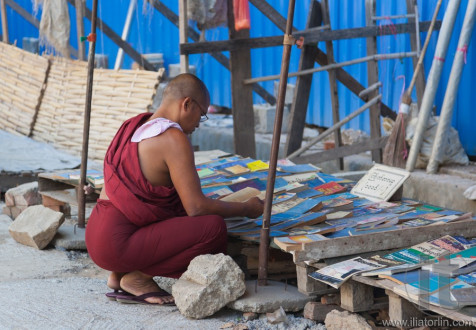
(54, 289)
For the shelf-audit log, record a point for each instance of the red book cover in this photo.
(330, 188)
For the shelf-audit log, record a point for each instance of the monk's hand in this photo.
(254, 207)
(88, 189)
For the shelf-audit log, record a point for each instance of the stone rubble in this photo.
(36, 226)
(19, 198)
(210, 282)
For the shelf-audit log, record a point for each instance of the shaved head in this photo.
(186, 85)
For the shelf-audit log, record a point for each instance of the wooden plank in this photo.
(242, 97)
(372, 78)
(219, 57)
(420, 81)
(3, 11)
(311, 37)
(79, 4)
(321, 58)
(394, 239)
(136, 56)
(297, 117)
(183, 32)
(344, 151)
(333, 85)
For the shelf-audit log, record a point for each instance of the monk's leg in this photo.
(184, 239)
(139, 283)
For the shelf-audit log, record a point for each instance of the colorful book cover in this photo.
(257, 165)
(308, 193)
(330, 188)
(253, 183)
(204, 172)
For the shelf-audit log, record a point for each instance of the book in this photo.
(338, 204)
(241, 195)
(257, 165)
(254, 183)
(300, 177)
(283, 197)
(205, 172)
(335, 275)
(299, 168)
(96, 181)
(330, 188)
(294, 243)
(236, 169)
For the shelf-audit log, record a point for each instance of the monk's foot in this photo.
(114, 280)
(139, 283)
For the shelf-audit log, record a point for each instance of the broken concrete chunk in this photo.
(13, 211)
(36, 226)
(210, 282)
(336, 320)
(278, 316)
(23, 195)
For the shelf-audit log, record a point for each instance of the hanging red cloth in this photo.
(241, 10)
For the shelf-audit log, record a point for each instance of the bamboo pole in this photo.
(125, 33)
(336, 126)
(3, 9)
(278, 121)
(452, 89)
(87, 118)
(377, 57)
(433, 80)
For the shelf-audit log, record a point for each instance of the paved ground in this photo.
(53, 289)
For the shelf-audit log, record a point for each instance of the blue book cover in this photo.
(309, 193)
(299, 168)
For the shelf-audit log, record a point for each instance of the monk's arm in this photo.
(181, 164)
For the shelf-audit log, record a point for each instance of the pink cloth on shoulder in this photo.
(153, 128)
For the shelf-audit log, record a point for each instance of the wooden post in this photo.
(183, 31)
(87, 119)
(79, 4)
(288, 41)
(3, 9)
(372, 73)
(303, 87)
(333, 83)
(242, 97)
(420, 79)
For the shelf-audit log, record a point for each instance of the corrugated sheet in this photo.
(153, 33)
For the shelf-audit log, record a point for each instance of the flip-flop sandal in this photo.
(113, 295)
(130, 299)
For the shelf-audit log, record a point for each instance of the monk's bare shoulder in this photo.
(157, 153)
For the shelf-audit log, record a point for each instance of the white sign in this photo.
(380, 183)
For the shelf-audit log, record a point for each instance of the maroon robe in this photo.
(145, 227)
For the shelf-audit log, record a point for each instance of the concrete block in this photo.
(317, 311)
(56, 205)
(101, 61)
(210, 282)
(70, 237)
(264, 118)
(174, 70)
(288, 99)
(156, 59)
(36, 226)
(23, 195)
(267, 299)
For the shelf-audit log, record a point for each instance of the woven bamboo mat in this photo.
(117, 96)
(22, 76)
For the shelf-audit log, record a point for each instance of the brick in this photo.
(331, 299)
(316, 311)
